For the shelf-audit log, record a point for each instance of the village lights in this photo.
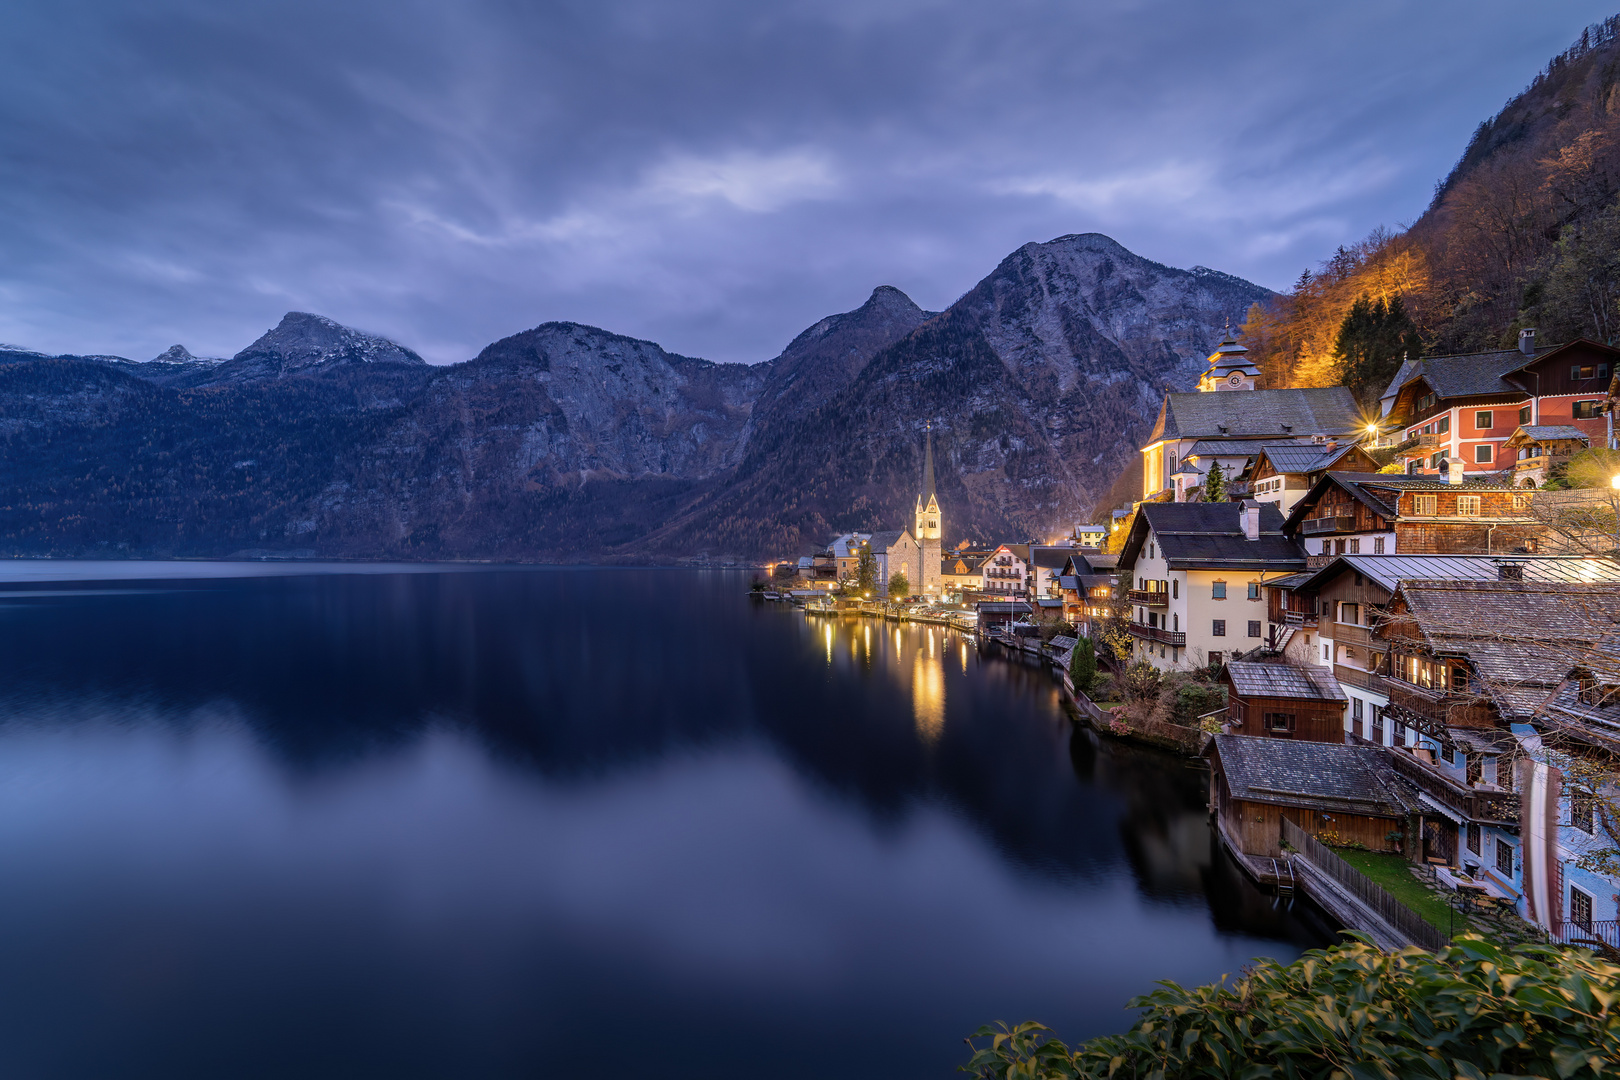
(1616, 481)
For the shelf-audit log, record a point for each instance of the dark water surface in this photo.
(538, 823)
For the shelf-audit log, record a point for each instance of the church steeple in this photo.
(930, 525)
(928, 464)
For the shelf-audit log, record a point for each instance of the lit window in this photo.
(1587, 410)
(1484, 452)
(1483, 420)
(1468, 506)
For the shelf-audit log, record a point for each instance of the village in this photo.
(1393, 633)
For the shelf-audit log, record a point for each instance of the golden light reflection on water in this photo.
(828, 630)
(928, 695)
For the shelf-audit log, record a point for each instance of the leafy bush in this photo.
(1140, 681)
(1194, 699)
(1471, 1011)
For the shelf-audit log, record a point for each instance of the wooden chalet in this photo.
(1537, 449)
(1284, 701)
(1351, 794)
(1284, 472)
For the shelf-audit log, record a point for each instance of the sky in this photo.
(713, 175)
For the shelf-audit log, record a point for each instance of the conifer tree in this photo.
(1373, 339)
(1083, 665)
(1215, 484)
(866, 571)
(899, 586)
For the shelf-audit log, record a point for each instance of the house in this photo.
(1090, 536)
(1466, 407)
(1397, 514)
(999, 614)
(1232, 428)
(846, 549)
(1199, 571)
(1046, 565)
(1283, 472)
(963, 571)
(1352, 792)
(1536, 449)
(1006, 571)
(1520, 681)
(1284, 701)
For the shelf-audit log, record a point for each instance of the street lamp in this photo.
(1616, 481)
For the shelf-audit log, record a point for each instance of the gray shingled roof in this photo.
(1325, 776)
(883, 541)
(1210, 536)
(1390, 570)
(1547, 432)
(1472, 374)
(1240, 447)
(1328, 410)
(1050, 558)
(1294, 458)
(1284, 680)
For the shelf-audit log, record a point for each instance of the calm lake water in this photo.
(537, 823)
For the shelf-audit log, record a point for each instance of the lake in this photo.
(474, 822)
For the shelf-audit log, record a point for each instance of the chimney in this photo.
(1250, 517)
(1527, 341)
(1454, 470)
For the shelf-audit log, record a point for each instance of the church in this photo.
(929, 527)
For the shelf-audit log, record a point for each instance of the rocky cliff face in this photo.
(569, 442)
(1040, 384)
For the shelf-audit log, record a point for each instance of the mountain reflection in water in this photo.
(491, 822)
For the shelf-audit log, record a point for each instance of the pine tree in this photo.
(899, 586)
(1083, 665)
(1215, 484)
(866, 571)
(1372, 341)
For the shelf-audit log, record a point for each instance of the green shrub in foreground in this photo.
(1469, 1012)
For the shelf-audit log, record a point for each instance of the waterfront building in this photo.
(1046, 565)
(963, 571)
(846, 550)
(1006, 571)
(1199, 571)
(895, 550)
(1465, 408)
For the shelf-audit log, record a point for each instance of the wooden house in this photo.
(1282, 701)
(1537, 449)
(1347, 794)
(1399, 514)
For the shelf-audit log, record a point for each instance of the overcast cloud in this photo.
(714, 176)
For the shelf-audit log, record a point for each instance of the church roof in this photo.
(1230, 357)
(883, 541)
(1326, 410)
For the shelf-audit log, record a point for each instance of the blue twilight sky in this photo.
(714, 175)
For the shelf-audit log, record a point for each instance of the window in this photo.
(1425, 505)
(1175, 589)
(1350, 613)
(1436, 459)
(1339, 547)
(1459, 678)
(1215, 659)
(1355, 547)
(1443, 426)
(1473, 837)
(1580, 810)
(1483, 420)
(1580, 908)
(1254, 590)
(1175, 622)
(1468, 505)
(1279, 722)
(1378, 545)
(1327, 547)
(1484, 453)
(1504, 858)
(1587, 410)
(1524, 415)
(1254, 627)
(1425, 402)
(1377, 727)
(1217, 590)
(1521, 502)
(1218, 629)
(1397, 731)
(1587, 371)
(1356, 716)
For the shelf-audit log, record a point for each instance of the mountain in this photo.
(567, 442)
(1040, 384)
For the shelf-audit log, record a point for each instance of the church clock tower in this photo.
(929, 524)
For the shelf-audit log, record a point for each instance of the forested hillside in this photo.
(1524, 232)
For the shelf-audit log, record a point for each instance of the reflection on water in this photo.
(470, 824)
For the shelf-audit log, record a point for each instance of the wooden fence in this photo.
(1413, 926)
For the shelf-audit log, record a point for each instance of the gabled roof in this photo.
(1050, 558)
(1375, 491)
(1328, 410)
(1325, 776)
(1284, 680)
(883, 541)
(1477, 374)
(1527, 433)
(1309, 458)
(1209, 536)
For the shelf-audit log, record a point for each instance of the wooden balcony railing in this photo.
(1299, 618)
(1366, 680)
(1317, 525)
(1150, 597)
(1154, 633)
(1487, 807)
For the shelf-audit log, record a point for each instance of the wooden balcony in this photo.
(1420, 445)
(1150, 597)
(1299, 618)
(1475, 804)
(1351, 634)
(1318, 525)
(1366, 680)
(1441, 708)
(1154, 633)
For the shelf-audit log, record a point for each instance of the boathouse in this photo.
(1337, 793)
(1284, 701)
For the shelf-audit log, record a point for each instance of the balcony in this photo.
(1352, 634)
(1299, 618)
(1366, 680)
(1488, 807)
(1154, 633)
(1440, 708)
(1420, 445)
(1150, 597)
(1318, 525)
